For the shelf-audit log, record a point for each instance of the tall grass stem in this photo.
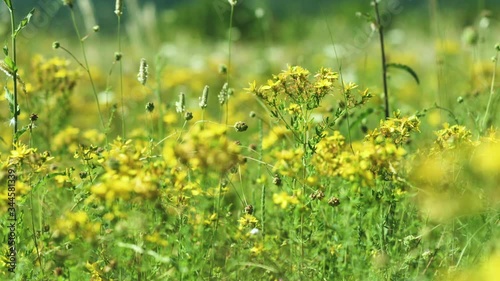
(383, 57)
(485, 122)
(229, 68)
(14, 75)
(121, 76)
(87, 68)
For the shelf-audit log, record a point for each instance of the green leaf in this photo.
(8, 3)
(20, 132)
(24, 22)
(406, 68)
(362, 116)
(10, 98)
(10, 64)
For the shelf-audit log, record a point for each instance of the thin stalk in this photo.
(152, 129)
(263, 193)
(492, 92)
(86, 64)
(159, 69)
(203, 119)
(180, 237)
(182, 130)
(384, 61)
(121, 76)
(342, 83)
(229, 61)
(217, 206)
(440, 77)
(35, 240)
(14, 75)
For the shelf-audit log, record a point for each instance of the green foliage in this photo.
(310, 183)
(405, 68)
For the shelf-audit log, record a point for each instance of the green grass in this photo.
(298, 175)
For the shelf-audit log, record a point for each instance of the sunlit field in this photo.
(240, 140)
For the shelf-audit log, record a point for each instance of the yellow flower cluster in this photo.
(67, 139)
(207, 148)
(283, 199)
(248, 220)
(74, 224)
(294, 86)
(289, 162)
(22, 154)
(380, 154)
(54, 75)
(453, 136)
(126, 176)
(396, 129)
(278, 133)
(459, 176)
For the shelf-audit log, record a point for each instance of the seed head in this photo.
(204, 98)
(33, 117)
(118, 7)
(277, 180)
(142, 76)
(58, 271)
(68, 3)
(223, 95)
(249, 209)
(223, 69)
(83, 174)
(188, 115)
(150, 107)
(118, 56)
(232, 2)
(180, 106)
(240, 126)
(96, 28)
(334, 202)
(317, 195)
(470, 36)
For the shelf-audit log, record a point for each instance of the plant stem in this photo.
(159, 70)
(121, 76)
(229, 41)
(384, 62)
(14, 75)
(263, 193)
(492, 92)
(87, 69)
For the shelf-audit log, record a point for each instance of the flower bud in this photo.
(180, 106)
(204, 98)
(118, 7)
(142, 76)
(150, 107)
(240, 126)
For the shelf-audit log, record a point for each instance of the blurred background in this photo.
(448, 43)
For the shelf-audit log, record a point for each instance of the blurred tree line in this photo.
(283, 19)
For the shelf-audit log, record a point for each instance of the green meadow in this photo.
(249, 140)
